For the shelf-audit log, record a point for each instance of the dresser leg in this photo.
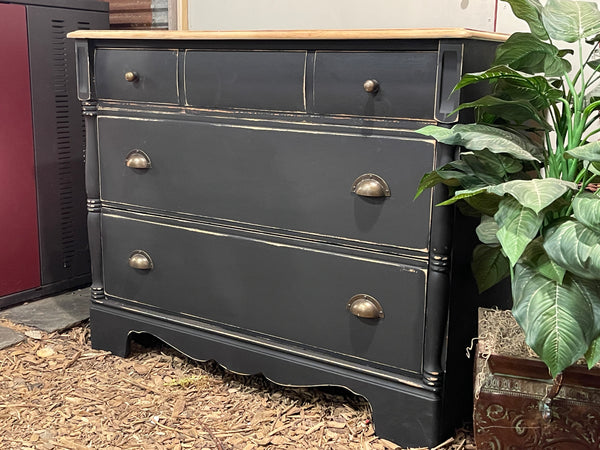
(109, 333)
(391, 410)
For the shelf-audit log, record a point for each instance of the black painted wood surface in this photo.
(279, 289)
(247, 212)
(156, 72)
(290, 179)
(271, 80)
(406, 83)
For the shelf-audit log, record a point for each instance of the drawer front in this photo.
(286, 179)
(405, 84)
(245, 79)
(276, 289)
(137, 75)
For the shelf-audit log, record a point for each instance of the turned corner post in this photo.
(438, 282)
(89, 109)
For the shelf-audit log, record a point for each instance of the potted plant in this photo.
(528, 169)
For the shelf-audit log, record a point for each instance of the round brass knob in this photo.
(365, 307)
(137, 159)
(371, 86)
(139, 259)
(371, 185)
(131, 76)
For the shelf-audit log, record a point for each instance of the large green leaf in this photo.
(575, 247)
(537, 259)
(498, 163)
(592, 356)
(471, 171)
(540, 96)
(586, 208)
(527, 53)
(586, 152)
(571, 21)
(486, 231)
(512, 84)
(536, 82)
(489, 266)
(531, 12)
(558, 319)
(518, 226)
(479, 136)
(484, 203)
(489, 174)
(594, 64)
(434, 178)
(463, 194)
(517, 111)
(536, 194)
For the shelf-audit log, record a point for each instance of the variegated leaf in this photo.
(558, 319)
(575, 247)
(570, 21)
(479, 136)
(531, 12)
(536, 194)
(586, 152)
(586, 208)
(536, 258)
(527, 53)
(486, 231)
(517, 110)
(518, 226)
(489, 266)
(592, 356)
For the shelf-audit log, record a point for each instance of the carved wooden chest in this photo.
(250, 200)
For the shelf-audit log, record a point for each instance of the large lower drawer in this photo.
(276, 289)
(294, 180)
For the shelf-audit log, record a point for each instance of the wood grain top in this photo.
(406, 33)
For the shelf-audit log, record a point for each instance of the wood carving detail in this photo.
(507, 415)
(507, 422)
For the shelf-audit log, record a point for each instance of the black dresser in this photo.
(250, 199)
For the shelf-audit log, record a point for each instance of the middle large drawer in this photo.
(295, 180)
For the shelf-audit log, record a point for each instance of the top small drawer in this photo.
(272, 80)
(137, 75)
(402, 84)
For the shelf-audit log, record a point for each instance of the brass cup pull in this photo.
(131, 76)
(365, 306)
(137, 159)
(371, 185)
(371, 86)
(139, 259)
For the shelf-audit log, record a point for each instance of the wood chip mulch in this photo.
(56, 392)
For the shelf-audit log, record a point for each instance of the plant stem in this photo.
(587, 137)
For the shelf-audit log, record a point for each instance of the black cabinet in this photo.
(43, 237)
(251, 201)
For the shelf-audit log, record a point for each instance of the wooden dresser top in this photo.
(406, 33)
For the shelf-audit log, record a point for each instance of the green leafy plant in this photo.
(528, 170)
